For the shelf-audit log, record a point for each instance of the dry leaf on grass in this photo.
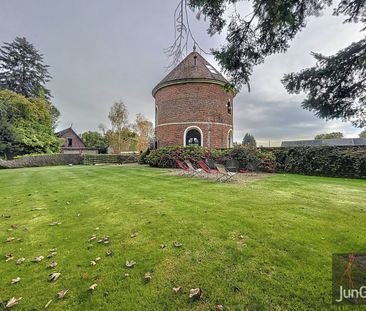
(93, 263)
(51, 254)
(9, 257)
(9, 239)
(92, 287)
(195, 293)
(130, 264)
(53, 277)
(52, 265)
(219, 308)
(147, 277)
(38, 259)
(109, 253)
(162, 246)
(55, 223)
(177, 244)
(177, 289)
(12, 302)
(20, 261)
(16, 280)
(48, 303)
(62, 294)
(135, 234)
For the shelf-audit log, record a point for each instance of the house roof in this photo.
(326, 142)
(194, 68)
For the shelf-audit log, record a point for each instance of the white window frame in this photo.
(191, 128)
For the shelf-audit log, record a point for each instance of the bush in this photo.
(332, 161)
(143, 155)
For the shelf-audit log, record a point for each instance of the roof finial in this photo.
(194, 47)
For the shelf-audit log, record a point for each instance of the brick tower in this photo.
(192, 107)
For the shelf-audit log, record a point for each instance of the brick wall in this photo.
(193, 104)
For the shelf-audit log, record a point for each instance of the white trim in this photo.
(190, 128)
(230, 136)
(183, 123)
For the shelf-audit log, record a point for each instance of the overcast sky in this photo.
(104, 51)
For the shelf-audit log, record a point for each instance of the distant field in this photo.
(264, 245)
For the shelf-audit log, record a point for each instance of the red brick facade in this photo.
(193, 102)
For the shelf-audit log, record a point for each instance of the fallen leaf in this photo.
(37, 209)
(85, 276)
(16, 280)
(20, 261)
(241, 237)
(92, 287)
(162, 246)
(12, 302)
(195, 293)
(92, 238)
(54, 276)
(177, 289)
(147, 277)
(130, 264)
(219, 308)
(135, 234)
(9, 239)
(52, 265)
(53, 250)
(109, 253)
(9, 257)
(97, 259)
(177, 244)
(62, 294)
(51, 254)
(48, 303)
(38, 259)
(93, 263)
(55, 223)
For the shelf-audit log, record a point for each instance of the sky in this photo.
(101, 52)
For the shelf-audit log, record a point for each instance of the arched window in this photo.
(228, 106)
(230, 139)
(193, 136)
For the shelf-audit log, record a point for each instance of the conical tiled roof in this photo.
(194, 68)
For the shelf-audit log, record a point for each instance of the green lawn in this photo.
(272, 238)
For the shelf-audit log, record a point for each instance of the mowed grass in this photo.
(266, 245)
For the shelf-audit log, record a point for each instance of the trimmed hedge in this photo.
(332, 161)
(42, 160)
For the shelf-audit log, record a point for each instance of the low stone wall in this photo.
(43, 160)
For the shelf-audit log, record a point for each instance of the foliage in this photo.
(22, 69)
(94, 139)
(144, 130)
(121, 140)
(335, 87)
(332, 135)
(323, 161)
(92, 159)
(118, 116)
(249, 140)
(143, 155)
(26, 126)
(362, 134)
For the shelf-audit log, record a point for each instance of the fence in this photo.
(89, 159)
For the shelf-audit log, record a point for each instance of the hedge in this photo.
(332, 161)
(42, 160)
(92, 159)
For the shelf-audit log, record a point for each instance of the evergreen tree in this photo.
(249, 140)
(362, 134)
(22, 69)
(335, 87)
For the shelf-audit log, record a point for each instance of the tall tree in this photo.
(249, 140)
(120, 137)
(25, 126)
(94, 140)
(22, 69)
(144, 130)
(335, 87)
(332, 135)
